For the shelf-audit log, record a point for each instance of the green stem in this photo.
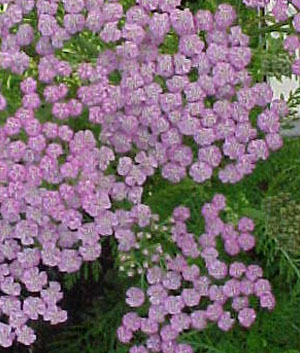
(277, 27)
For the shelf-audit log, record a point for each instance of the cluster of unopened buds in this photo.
(175, 294)
(187, 112)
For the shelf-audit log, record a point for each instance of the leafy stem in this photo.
(277, 27)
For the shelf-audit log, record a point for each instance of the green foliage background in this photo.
(271, 196)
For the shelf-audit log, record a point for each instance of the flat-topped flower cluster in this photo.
(55, 207)
(212, 111)
(175, 294)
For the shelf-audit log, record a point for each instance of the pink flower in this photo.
(135, 297)
(246, 317)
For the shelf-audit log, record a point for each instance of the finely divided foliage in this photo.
(112, 95)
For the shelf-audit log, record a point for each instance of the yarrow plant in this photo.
(190, 111)
(185, 296)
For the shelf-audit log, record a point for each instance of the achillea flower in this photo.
(167, 317)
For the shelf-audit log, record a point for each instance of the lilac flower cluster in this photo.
(55, 209)
(94, 15)
(156, 120)
(213, 112)
(175, 293)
